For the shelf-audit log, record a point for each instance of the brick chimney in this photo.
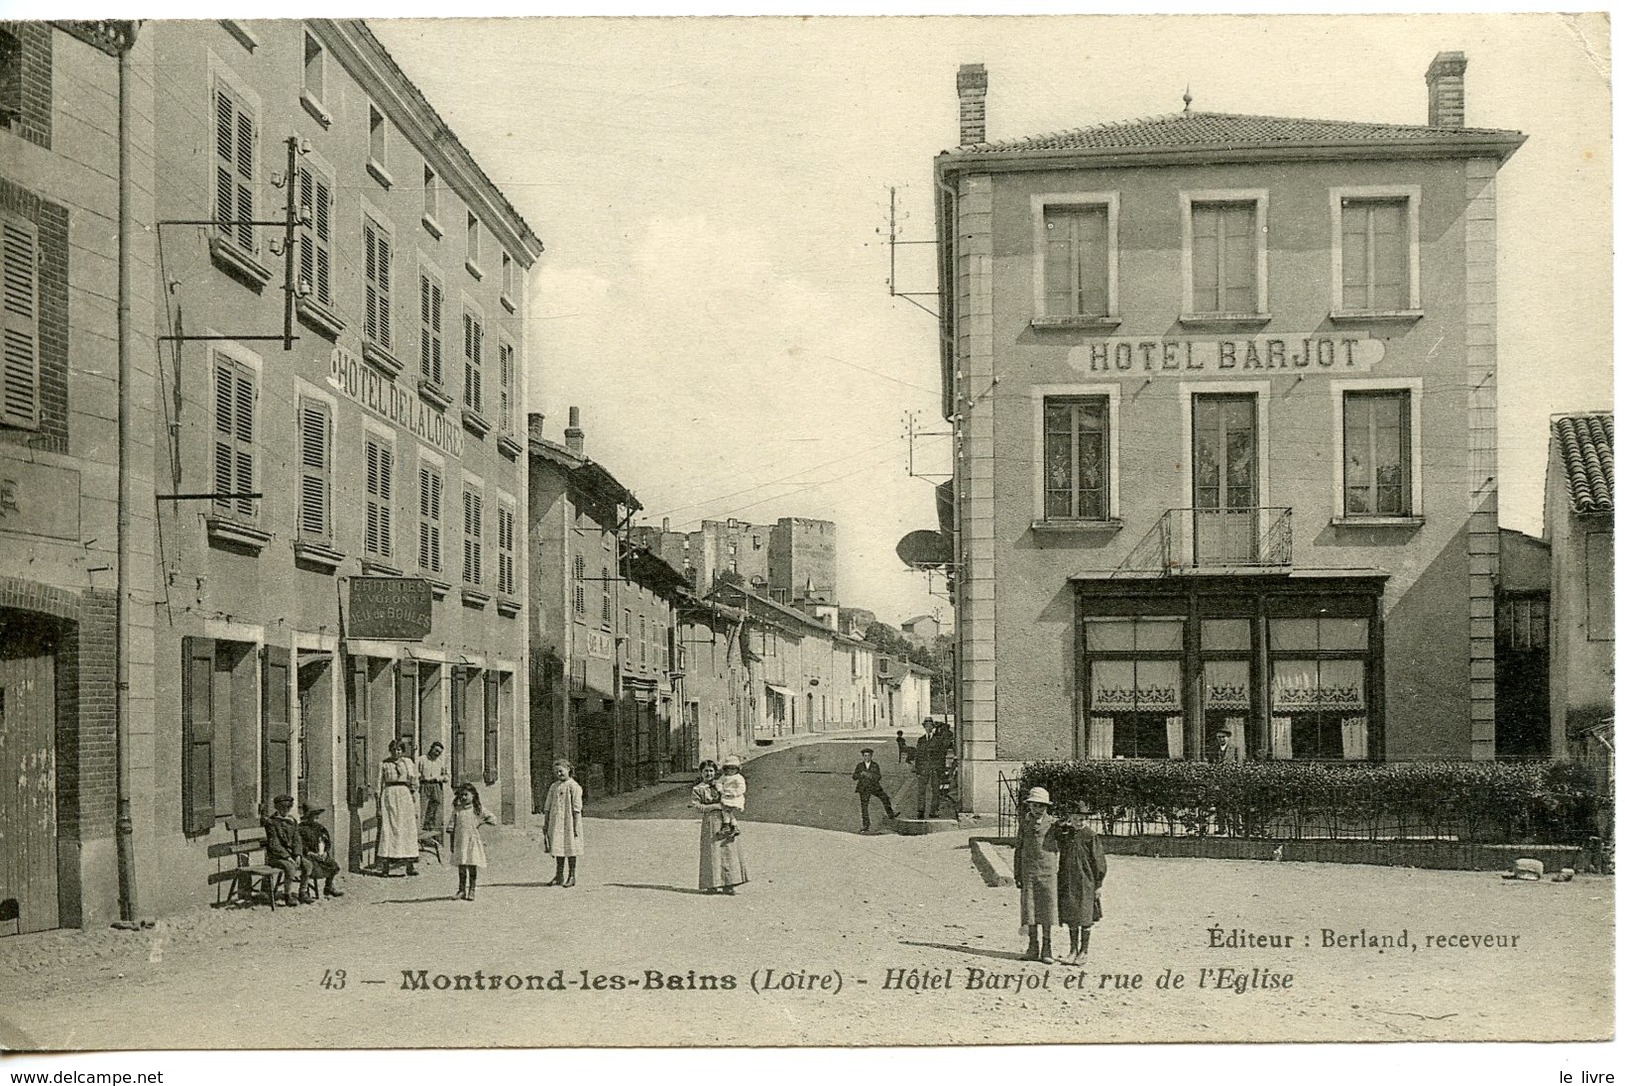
(533, 425)
(1447, 96)
(972, 104)
(573, 434)
(665, 525)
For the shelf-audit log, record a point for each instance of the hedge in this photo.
(1522, 802)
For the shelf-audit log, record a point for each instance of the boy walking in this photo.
(867, 774)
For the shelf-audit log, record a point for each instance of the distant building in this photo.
(922, 629)
(792, 561)
(1580, 529)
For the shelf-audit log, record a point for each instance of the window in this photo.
(505, 387)
(379, 253)
(1376, 250)
(315, 69)
(315, 498)
(473, 258)
(1377, 454)
(11, 77)
(1224, 254)
(580, 570)
(431, 304)
(607, 616)
(505, 527)
(316, 236)
(431, 490)
(1520, 623)
(1318, 688)
(473, 534)
(509, 280)
(375, 137)
(431, 195)
(234, 469)
(1076, 458)
(234, 144)
(19, 271)
(473, 360)
(643, 639)
(380, 527)
(1599, 574)
(1135, 691)
(1076, 251)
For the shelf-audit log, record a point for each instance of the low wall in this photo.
(1438, 855)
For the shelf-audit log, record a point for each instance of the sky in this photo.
(714, 194)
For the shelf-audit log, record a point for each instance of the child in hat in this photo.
(467, 848)
(731, 793)
(318, 851)
(1038, 861)
(285, 849)
(1082, 869)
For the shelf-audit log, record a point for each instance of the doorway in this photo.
(28, 848)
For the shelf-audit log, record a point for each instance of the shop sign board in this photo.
(390, 608)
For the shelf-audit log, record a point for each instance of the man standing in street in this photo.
(867, 774)
(433, 776)
(929, 761)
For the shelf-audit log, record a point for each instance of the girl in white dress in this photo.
(467, 849)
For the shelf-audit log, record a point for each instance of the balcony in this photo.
(1257, 540)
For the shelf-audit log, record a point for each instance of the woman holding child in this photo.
(722, 862)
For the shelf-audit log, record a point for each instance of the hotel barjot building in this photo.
(1224, 390)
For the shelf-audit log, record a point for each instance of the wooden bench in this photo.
(246, 878)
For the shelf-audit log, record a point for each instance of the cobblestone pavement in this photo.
(871, 940)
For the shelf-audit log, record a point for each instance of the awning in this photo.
(782, 691)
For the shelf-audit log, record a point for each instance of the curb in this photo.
(987, 855)
(915, 827)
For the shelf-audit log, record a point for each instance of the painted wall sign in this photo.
(39, 499)
(1295, 352)
(394, 402)
(390, 608)
(600, 645)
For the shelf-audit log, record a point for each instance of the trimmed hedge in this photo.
(1547, 802)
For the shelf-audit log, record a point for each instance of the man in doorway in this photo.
(867, 774)
(433, 776)
(1222, 750)
(1229, 822)
(930, 759)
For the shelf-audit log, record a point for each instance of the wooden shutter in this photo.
(473, 543)
(359, 770)
(197, 745)
(19, 378)
(429, 495)
(492, 690)
(378, 257)
(245, 178)
(504, 385)
(315, 469)
(473, 351)
(429, 350)
(324, 241)
(276, 728)
(406, 700)
(233, 436)
(505, 519)
(459, 723)
(379, 526)
(234, 141)
(385, 256)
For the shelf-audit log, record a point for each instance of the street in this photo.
(875, 940)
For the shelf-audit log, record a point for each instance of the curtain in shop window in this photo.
(1237, 726)
(1098, 743)
(1176, 737)
(1354, 738)
(1281, 736)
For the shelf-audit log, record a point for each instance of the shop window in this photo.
(1135, 697)
(1318, 706)
(1076, 250)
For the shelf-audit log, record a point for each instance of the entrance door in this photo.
(28, 881)
(1224, 519)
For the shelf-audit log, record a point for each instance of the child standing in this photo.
(1082, 869)
(731, 794)
(467, 849)
(1037, 866)
(561, 823)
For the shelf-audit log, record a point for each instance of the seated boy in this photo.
(318, 850)
(285, 848)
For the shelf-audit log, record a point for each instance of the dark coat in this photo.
(867, 774)
(1038, 858)
(282, 840)
(1082, 869)
(316, 839)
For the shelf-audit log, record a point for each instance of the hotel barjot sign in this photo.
(1300, 352)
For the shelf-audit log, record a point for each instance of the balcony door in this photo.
(1224, 458)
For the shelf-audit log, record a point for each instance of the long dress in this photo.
(397, 812)
(722, 863)
(1038, 860)
(561, 818)
(467, 848)
(1082, 870)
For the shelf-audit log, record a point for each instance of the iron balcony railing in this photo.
(1215, 539)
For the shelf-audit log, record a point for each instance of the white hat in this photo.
(1038, 795)
(731, 761)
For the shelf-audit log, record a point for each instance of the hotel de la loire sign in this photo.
(1297, 352)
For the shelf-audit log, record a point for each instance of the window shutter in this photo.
(360, 763)
(276, 747)
(314, 474)
(19, 378)
(491, 759)
(245, 732)
(385, 340)
(379, 528)
(459, 723)
(406, 700)
(370, 238)
(225, 195)
(386, 505)
(225, 428)
(243, 433)
(245, 178)
(426, 339)
(307, 239)
(435, 306)
(324, 241)
(197, 748)
(505, 384)
(479, 366)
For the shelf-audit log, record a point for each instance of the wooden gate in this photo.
(28, 880)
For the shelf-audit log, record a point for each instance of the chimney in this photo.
(1447, 97)
(533, 425)
(973, 104)
(665, 525)
(573, 434)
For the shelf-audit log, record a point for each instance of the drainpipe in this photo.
(125, 824)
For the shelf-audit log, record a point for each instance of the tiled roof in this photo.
(1175, 130)
(1586, 444)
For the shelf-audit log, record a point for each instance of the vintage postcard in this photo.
(609, 533)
